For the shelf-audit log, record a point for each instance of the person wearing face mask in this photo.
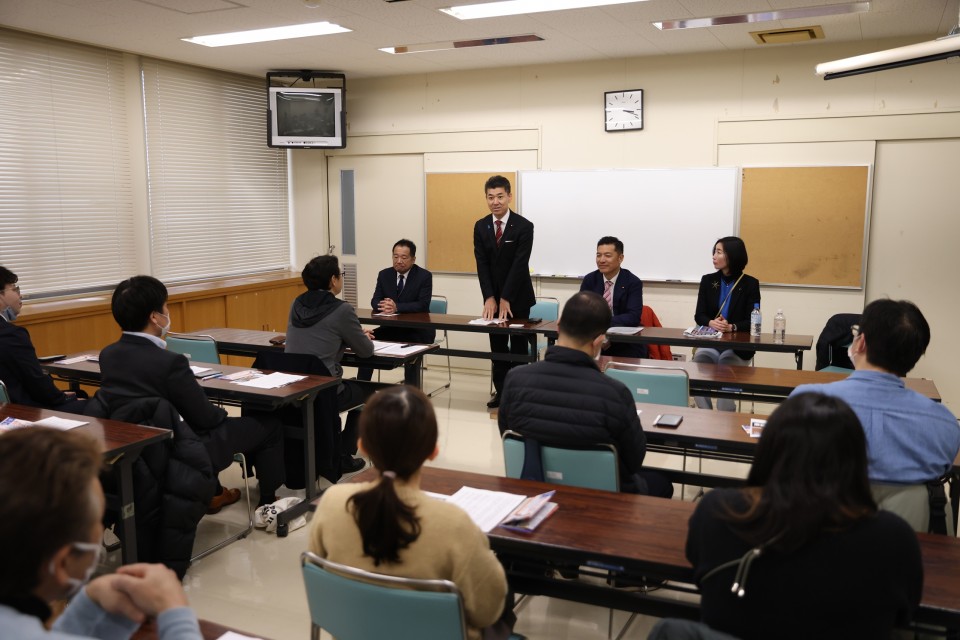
(138, 366)
(566, 399)
(55, 556)
(910, 438)
(19, 368)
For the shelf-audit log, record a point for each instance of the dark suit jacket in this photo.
(20, 370)
(744, 296)
(415, 298)
(627, 308)
(504, 271)
(135, 368)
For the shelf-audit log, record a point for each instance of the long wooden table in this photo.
(252, 342)
(301, 393)
(451, 322)
(122, 443)
(643, 536)
(763, 384)
(792, 343)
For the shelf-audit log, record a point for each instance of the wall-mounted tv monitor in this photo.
(306, 118)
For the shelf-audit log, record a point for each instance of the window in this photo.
(217, 193)
(65, 187)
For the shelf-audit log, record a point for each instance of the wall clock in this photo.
(623, 110)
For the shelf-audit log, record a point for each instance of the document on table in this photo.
(272, 381)
(384, 315)
(52, 422)
(482, 322)
(397, 348)
(233, 635)
(624, 331)
(76, 359)
(486, 508)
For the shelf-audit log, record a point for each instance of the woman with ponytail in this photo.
(390, 526)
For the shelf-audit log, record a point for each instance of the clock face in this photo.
(623, 110)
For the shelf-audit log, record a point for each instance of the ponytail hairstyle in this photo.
(398, 429)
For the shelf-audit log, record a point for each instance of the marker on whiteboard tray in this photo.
(669, 280)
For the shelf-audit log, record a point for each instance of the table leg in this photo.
(128, 525)
(534, 349)
(413, 373)
(309, 446)
(798, 356)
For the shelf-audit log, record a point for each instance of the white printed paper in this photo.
(55, 422)
(624, 331)
(487, 509)
(272, 381)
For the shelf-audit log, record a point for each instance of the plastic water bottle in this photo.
(756, 320)
(779, 327)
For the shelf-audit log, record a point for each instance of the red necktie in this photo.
(499, 233)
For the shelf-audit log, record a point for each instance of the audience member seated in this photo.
(390, 526)
(50, 538)
(802, 551)
(324, 326)
(138, 366)
(566, 399)
(623, 292)
(19, 368)
(910, 438)
(406, 287)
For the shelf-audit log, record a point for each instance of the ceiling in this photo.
(154, 28)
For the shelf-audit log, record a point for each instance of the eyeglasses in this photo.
(14, 287)
(855, 330)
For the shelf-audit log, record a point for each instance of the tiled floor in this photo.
(255, 584)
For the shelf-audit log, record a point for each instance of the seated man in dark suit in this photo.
(566, 399)
(139, 366)
(19, 368)
(622, 290)
(403, 288)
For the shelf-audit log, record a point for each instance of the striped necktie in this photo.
(499, 234)
(608, 293)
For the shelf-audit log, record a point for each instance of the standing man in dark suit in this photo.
(622, 290)
(403, 288)
(502, 243)
(139, 366)
(19, 368)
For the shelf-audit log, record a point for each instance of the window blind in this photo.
(217, 193)
(65, 186)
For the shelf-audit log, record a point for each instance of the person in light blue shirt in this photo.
(50, 545)
(910, 438)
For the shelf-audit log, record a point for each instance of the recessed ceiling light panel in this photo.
(519, 7)
(459, 44)
(764, 16)
(267, 35)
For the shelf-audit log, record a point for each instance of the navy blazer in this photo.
(20, 370)
(504, 271)
(415, 298)
(627, 308)
(744, 296)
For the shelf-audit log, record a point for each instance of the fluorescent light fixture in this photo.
(939, 49)
(518, 7)
(764, 16)
(459, 44)
(267, 35)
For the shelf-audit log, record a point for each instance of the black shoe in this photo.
(494, 401)
(349, 464)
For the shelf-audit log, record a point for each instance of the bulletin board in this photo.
(455, 201)
(806, 225)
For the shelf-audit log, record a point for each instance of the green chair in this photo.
(652, 384)
(548, 310)
(438, 304)
(197, 348)
(4, 394)
(352, 604)
(593, 466)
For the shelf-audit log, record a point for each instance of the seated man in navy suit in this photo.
(19, 368)
(622, 290)
(403, 288)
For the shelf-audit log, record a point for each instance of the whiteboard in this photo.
(668, 219)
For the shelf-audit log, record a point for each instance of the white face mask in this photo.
(75, 584)
(10, 314)
(164, 330)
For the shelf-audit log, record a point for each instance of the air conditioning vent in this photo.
(350, 293)
(788, 36)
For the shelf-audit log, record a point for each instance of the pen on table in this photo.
(659, 415)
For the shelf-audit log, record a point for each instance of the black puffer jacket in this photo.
(173, 482)
(566, 399)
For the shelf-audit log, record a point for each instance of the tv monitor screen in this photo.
(306, 118)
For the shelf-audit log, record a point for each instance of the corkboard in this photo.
(805, 225)
(455, 201)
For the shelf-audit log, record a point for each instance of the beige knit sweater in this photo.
(450, 547)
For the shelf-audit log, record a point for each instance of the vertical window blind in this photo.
(217, 193)
(65, 187)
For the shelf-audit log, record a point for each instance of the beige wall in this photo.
(740, 108)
